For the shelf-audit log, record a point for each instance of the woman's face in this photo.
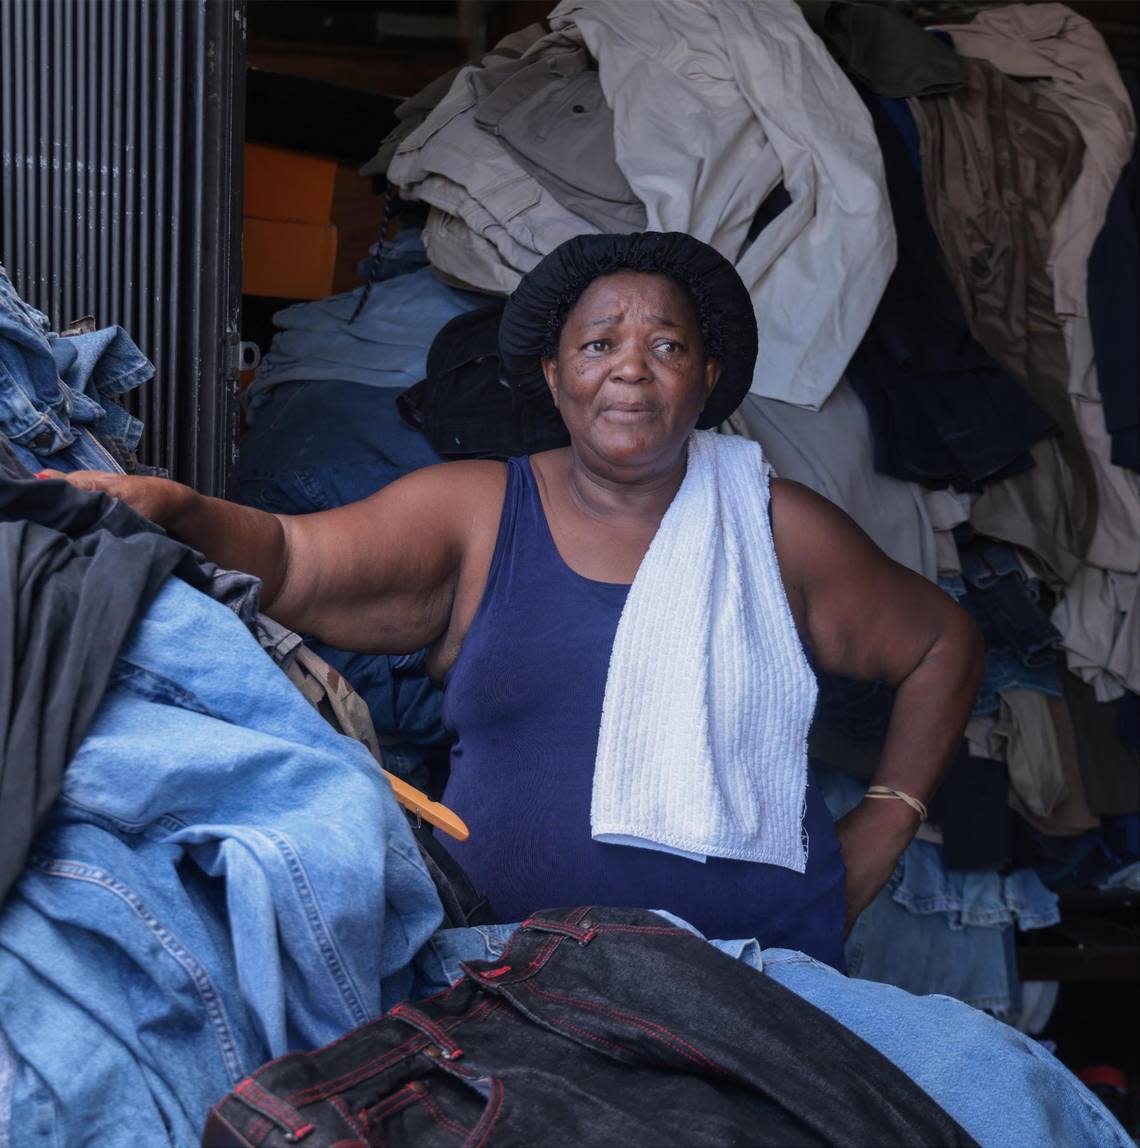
(631, 377)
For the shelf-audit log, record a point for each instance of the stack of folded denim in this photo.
(377, 335)
(58, 393)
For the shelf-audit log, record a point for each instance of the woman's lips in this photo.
(629, 412)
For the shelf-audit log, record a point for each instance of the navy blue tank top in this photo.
(524, 701)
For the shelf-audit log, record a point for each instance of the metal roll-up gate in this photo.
(120, 197)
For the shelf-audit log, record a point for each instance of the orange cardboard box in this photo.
(288, 260)
(288, 185)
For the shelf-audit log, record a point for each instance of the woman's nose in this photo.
(631, 364)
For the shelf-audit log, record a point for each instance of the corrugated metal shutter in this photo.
(120, 197)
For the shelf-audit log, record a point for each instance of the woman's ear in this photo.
(550, 373)
(712, 373)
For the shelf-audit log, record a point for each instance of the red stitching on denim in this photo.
(391, 1105)
(518, 938)
(339, 1103)
(324, 1048)
(482, 1011)
(663, 930)
(377, 1064)
(441, 1117)
(588, 1034)
(442, 995)
(259, 1129)
(425, 1024)
(347, 1079)
(359, 1073)
(494, 1111)
(659, 1032)
(541, 925)
(545, 952)
(256, 1096)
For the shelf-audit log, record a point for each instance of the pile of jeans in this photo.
(59, 392)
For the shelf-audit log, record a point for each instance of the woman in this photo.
(516, 576)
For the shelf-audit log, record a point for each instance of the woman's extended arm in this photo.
(378, 575)
(867, 617)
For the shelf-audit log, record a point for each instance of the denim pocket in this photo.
(441, 1108)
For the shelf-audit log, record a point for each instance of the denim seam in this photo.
(428, 1027)
(591, 1037)
(390, 1105)
(313, 490)
(653, 1030)
(327, 946)
(44, 421)
(158, 829)
(377, 1064)
(439, 1116)
(113, 386)
(491, 1113)
(341, 1106)
(81, 871)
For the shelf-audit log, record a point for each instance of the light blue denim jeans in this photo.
(224, 878)
(999, 1084)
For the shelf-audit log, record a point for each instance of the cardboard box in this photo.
(288, 260)
(288, 185)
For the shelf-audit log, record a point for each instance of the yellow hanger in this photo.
(431, 811)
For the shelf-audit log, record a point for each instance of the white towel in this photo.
(703, 743)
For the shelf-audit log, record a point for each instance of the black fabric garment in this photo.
(465, 409)
(463, 904)
(536, 311)
(59, 506)
(314, 116)
(774, 202)
(942, 411)
(1114, 300)
(597, 1026)
(971, 808)
(890, 53)
(76, 571)
(1110, 769)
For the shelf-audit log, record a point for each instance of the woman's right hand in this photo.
(160, 499)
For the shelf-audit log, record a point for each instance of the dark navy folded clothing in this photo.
(971, 808)
(1114, 301)
(942, 411)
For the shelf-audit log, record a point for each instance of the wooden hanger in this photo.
(431, 811)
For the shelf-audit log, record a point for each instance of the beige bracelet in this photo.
(881, 791)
